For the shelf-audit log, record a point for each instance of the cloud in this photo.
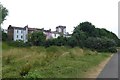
(51, 13)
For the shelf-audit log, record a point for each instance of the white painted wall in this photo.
(26, 35)
(19, 34)
(59, 30)
(15, 35)
(64, 31)
(55, 35)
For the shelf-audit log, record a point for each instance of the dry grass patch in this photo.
(54, 61)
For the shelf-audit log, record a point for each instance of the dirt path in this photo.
(93, 73)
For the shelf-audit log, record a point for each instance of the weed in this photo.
(34, 75)
(25, 69)
(8, 59)
(50, 62)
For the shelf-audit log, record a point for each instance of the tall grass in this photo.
(51, 62)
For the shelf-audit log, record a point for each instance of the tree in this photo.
(86, 27)
(79, 37)
(60, 41)
(86, 35)
(36, 38)
(119, 42)
(80, 33)
(72, 42)
(105, 33)
(4, 36)
(49, 42)
(100, 44)
(3, 13)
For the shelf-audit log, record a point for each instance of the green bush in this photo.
(49, 42)
(4, 36)
(101, 44)
(27, 44)
(8, 59)
(72, 42)
(25, 69)
(37, 38)
(33, 75)
(19, 43)
(112, 49)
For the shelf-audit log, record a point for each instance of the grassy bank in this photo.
(51, 62)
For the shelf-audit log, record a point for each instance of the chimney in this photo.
(50, 30)
(26, 27)
(9, 26)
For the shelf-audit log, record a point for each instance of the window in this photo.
(21, 31)
(21, 37)
(17, 31)
(17, 36)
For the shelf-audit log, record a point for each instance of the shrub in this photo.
(8, 59)
(4, 36)
(28, 44)
(19, 43)
(34, 75)
(37, 38)
(101, 44)
(112, 49)
(60, 41)
(49, 42)
(25, 69)
(72, 42)
(118, 43)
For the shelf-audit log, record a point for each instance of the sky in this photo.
(48, 14)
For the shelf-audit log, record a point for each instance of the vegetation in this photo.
(88, 36)
(85, 35)
(37, 38)
(19, 43)
(56, 58)
(4, 36)
(100, 44)
(50, 62)
(3, 13)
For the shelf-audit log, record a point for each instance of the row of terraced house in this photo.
(21, 33)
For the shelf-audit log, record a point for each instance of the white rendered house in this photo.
(18, 33)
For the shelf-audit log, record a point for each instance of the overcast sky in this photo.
(51, 13)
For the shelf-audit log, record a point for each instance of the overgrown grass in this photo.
(51, 62)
